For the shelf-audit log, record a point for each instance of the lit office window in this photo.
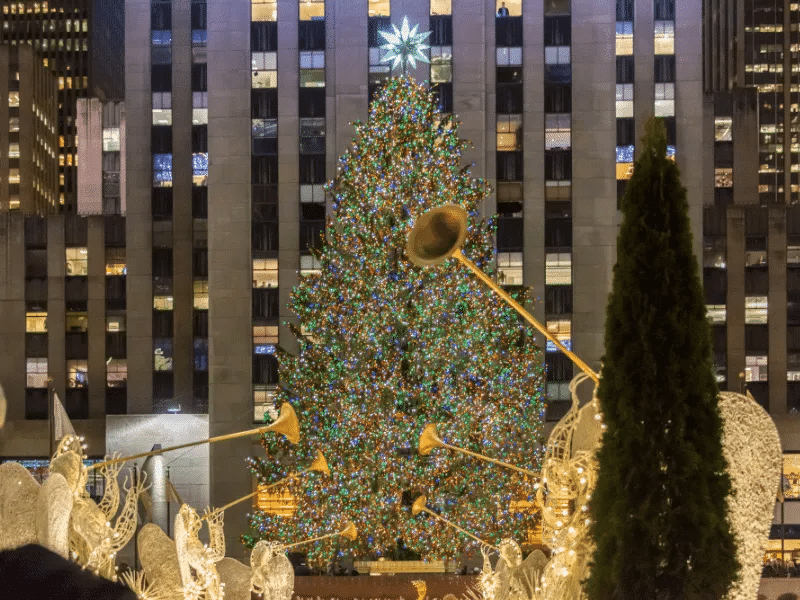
(558, 269)
(77, 262)
(441, 64)
(378, 8)
(557, 131)
(264, 10)
(509, 133)
(664, 37)
(115, 323)
(624, 100)
(755, 310)
(624, 39)
(200, 293)
(509, 268)
(13, 124)
(162, 354)
(116, 372)
(162, 302)
(265, 334)
(716, 313)
(162, 108)
(200, 168)
(111, 139)
(562, 331)
(162, 170)
(36, 373)
(264, 70)
(36, 322)
(265, 273)
(664, 99)
(13, 98)
(77, 322)
(508, 8)
(755, 368)
(13, 150)
(13, 175)
(723, 129)
(77, 373)
(309, 265)
(723, 177)
(441, 7)
(311, 10)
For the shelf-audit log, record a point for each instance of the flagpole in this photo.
(50, 419)
(168, 502)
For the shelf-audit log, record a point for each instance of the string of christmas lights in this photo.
(387, 347)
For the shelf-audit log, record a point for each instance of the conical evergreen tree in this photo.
(387, 347)
(660, 506)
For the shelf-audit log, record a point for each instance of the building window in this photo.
(13, 150)
(509, 268)
(13, 99)
(36, 322)
(77, 261)
(115, 324)
(562, 331)
(723, 177)
(115, 261)
(558, 269)
(162, 170)
(200, 292)
(265, 273)
(378, 8)
(441, 64)
(13, 176)
(624, 39)
(264, 10)
(624, 100)
(162, 354)
(509, 133)
(77, 322)
(723, 129)
(716, 313)
(200, 168)
(309, 265)
(77, 374)
(557, 132)
(36, 373)
(755, 368)
(664, 99)
(264, 70)
(664, 37)
(162, 108)
(13, 124)
(162, 302)
(441, 7)
(312, 9)
(116, 373)
(755, 310)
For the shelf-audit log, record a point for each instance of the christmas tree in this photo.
(660, 507)
(387, 347)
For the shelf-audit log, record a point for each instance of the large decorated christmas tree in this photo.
(387, 347)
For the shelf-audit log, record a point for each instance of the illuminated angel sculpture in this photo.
(93, 540)
(197, 561)
(512, 578)
(272, 573)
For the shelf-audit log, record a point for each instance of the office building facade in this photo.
(83, 42)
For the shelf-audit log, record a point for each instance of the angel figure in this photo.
(197, 561)
(93, 540)
(512, 578)
(272, 573)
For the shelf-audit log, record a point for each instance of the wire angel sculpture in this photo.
(197, 561)
(96, 532)
(272, 573)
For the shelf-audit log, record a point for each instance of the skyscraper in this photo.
(83, 42)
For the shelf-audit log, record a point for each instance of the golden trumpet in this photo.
(420, 506)
(439, 234)
(429, 439)
(286, 424)
(350, 532)
(319, 464)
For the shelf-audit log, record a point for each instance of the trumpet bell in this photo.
(320, 464)
(419, 505)
(429, 439)
(286, 424)
(437, 235)
(350, 531)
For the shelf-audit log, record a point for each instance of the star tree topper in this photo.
(404, 46)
